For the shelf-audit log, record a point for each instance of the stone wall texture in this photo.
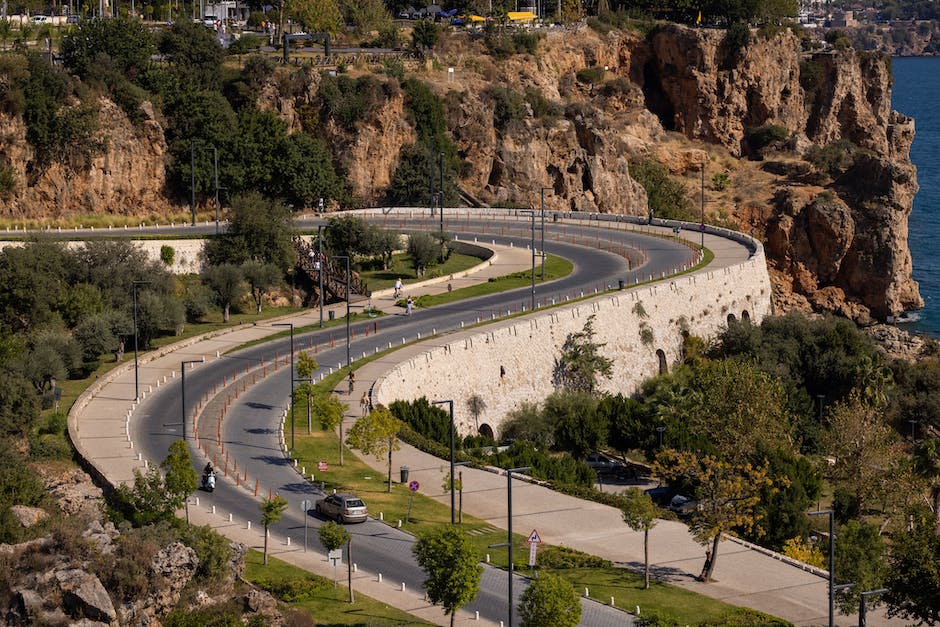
(643, 329)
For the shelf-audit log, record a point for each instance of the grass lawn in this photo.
(402, 268)
(555, 268)
(328, 605)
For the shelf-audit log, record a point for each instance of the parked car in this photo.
(682, 505)
(661, 495)
(344, 508)
(73, 19)
(41, 19)
(604, 465)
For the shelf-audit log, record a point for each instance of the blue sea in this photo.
(915, 93)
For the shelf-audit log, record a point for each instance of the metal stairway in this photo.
(334, 274)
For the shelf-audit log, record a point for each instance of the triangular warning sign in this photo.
(534, 537)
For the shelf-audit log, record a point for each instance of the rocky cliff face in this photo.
(835, 242)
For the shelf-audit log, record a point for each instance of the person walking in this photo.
(364, 404)
(352, 381)
(397, 288)
(408, 305)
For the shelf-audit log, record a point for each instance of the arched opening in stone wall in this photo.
(745, 316)
(487, 431)
(731, 319)
(663, 366)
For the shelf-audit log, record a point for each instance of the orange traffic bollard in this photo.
(256, 487)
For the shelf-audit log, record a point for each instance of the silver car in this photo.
(344, 508)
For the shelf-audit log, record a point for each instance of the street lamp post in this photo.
(913, 432)
(215, 160)
(832, 562)
(660, 429)
(509, 532)
(542, 192)
(183, 364)
(450, 405)
(532, 214)
(292, 412)
(348, 277)
(441, 204)
(863, 605)
(320, 265)
(702, 225)
(136, 374)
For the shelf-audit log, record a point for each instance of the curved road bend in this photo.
(252, 435)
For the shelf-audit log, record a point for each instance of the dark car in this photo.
(607, 466)
(661, 495)
(344, 508)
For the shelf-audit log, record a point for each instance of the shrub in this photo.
(590, 75)
(541, 106)
(347, 100)
(211, 548)
(668, 198)
(7, 181)
(429, 420)
(394, 67)
(737, 38)
(762, 136)
(526, 42)
(508, 105)
(720, 181)
(166, 254)
(222, 615)
(296, 589)
(834, 159)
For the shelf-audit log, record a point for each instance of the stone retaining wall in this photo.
(643, 330)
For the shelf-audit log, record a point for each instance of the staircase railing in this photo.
(334, 274)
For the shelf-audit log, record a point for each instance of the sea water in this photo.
(916, 93)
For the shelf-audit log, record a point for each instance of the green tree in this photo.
(366, 16)
(927, 467)
(333, 536)
(305, 173)
(318, 16)
(424, 36)
(450, 562)
(127, 43)
(628, 426)
(423, 251)
(865, 450)
(580, 362)
(271, 511)
(913, 576)
(860, 559)
(667, 198)
(579, 428)
(19, 406)
(6, 31)
(180, 479)
(641, 514)
(549, 601)
(377, 434)
(728, 495)
(194, 56)
(348, 235)
(261, 277)
(227, 281)
(259, 230)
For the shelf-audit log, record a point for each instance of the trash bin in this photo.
(404, 474)
(554, 217)
(620, 283)
(332, 314)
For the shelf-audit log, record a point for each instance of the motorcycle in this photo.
(208, 481)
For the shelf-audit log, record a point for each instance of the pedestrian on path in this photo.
(397, 287)
(352, 381)
(364, 404)
(408, 305)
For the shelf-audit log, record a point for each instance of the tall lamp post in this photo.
(136, 374)
(832, 562)
(292, 412)
(441, 207)
(702, 225)
(542, 192)
(348, 277)
(531, 213)
(450, 405)
(215, 161)
(320, 265)
(509, 532)
(183, 364)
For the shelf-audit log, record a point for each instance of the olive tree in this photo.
(451, 564)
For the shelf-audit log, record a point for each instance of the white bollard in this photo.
(303, 470)
(487, 558)
(380, 577)
(249, 526)
(146, 463)
(476, 615)
(587, 594)
(637, 610)
(288, 540)
(197, 501)
(140, 456)
(403, 586)
(399, 523)
(230, 517)
(213, 509)
(355, 567)
(381, 515)
(612, 602)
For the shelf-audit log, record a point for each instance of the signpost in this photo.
(335, 556)
(322, 466)
(413, 487)
(305, 507)
(533, 541)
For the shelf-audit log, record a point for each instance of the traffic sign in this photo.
(533, 547)
(305, 505)
(335, 555)
(322, 466)
(413, 486)
(534, 537)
